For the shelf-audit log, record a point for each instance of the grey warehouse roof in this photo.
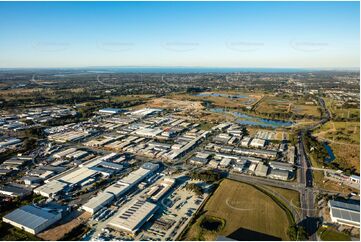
(30, 216)
(346, 211)
(343, 205)
(150, 166)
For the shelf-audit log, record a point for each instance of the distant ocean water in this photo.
(179, 70)
(194, 70)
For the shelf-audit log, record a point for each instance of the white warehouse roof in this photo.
(97, 202)
(78, 175)
(135, 176)
(118, 189)
(134, 216)
(50, 188)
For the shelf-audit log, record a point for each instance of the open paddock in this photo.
(248, 213)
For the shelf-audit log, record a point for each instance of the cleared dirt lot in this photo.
(248, 213)
(173, 104)
(69, 223)
(221, 98)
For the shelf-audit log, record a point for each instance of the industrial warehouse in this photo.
(84, 174)
(33, 219)
(129, 173)
(133, 217)
(118, 189)
(122, 152)
(347, 213)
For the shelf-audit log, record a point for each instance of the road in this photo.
(305, 179)
(102, 83)
(309, 211)
(264, 181)
(307, 193)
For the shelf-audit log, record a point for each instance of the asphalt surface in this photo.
(264, 181)
(304, 186)
(309, 211)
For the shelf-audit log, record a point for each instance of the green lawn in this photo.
(333, 235)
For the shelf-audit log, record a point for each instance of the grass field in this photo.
(306, 109)
(348, 132)
(328, 234)
(168, 103)
(347, 156)
(271, 104)
(291, 196)
(248, 213)
(131, 97)
(320, 182)
(344, 140)
(339, 112)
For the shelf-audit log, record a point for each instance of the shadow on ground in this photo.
(311, 224)
(243, 234)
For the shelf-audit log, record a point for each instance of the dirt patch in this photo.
(174, 104)
(65, 226)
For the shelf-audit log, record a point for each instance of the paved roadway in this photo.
(264, 181)
(304, 187)
(309, 211)
(305, 180)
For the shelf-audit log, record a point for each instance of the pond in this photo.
(331, 156)
(247, 119)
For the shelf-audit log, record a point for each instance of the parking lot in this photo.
(176, 212)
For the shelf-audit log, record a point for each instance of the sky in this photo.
(192, 34)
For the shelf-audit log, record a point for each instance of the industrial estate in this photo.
(180, 121)
(195, 163)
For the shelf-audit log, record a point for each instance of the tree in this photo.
(292, 232)
(206, 176)
(301, 233)
(195, 188)
(297, 232)
(245, 131)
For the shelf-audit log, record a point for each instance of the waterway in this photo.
(247, 119)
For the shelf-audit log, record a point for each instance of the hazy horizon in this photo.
(321, 35)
